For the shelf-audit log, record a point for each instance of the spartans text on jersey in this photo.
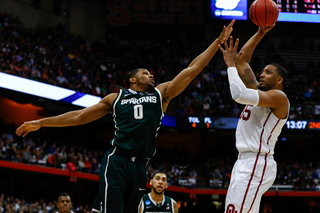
(150, 99)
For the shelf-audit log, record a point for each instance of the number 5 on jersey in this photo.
(245, 115)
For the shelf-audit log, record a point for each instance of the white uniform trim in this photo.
(154, 202)
(114, 115)
(156, 89)
(106, 181)
(95, 210)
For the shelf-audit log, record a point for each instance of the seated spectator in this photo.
(61, 79)
(95, 166)
(26, 155)
(192, 181)
(80, 164)
(87, 165)
(54, 160)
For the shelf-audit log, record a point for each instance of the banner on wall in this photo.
(173, 12)
(141, 18)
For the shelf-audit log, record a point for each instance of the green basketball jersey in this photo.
(150, 206)
(137, 117)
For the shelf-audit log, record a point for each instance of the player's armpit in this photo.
(163, 88)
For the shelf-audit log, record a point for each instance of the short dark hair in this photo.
(157, 172)
(63, 194)
(282, 72)
(131, 74)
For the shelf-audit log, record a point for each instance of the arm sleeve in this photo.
(239, 92)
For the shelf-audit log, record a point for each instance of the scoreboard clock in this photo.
(303, 125)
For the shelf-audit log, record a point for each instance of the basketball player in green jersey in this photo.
(64, 203)
(156, 201)
(137, 114)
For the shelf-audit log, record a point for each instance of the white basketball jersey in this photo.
(258, 130)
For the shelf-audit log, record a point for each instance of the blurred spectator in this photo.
(87, 165)
(54, 160)
(192, 179)
(26, 155)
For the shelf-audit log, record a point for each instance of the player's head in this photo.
(64, 203)
(273, 76)
(140, 77)
(159, 182)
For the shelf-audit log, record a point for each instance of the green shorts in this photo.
(122, 182)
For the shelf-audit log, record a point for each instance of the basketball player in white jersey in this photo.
(259, 125)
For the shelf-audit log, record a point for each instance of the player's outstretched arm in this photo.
(72, 118)
(274, 98)
(245, 72)
(173, 88)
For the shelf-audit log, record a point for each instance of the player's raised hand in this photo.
(266, 29)
(27, 127)
(230, 54)
(226, 32)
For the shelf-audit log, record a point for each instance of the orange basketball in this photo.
(264, 13)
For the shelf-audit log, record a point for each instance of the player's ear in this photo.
(150, 182)
(280, 80)
(133, 80)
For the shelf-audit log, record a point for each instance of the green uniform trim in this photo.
(148, 205)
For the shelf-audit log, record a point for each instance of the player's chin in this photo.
(262, 88)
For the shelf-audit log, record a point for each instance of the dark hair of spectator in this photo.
(282, 72)
(131, 74)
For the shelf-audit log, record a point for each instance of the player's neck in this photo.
(158, 198)
(137, 88)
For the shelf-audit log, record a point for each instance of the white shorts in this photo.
(252, 175)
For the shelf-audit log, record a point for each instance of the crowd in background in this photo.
(11, 204)
(57, 57)
(203, 170)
